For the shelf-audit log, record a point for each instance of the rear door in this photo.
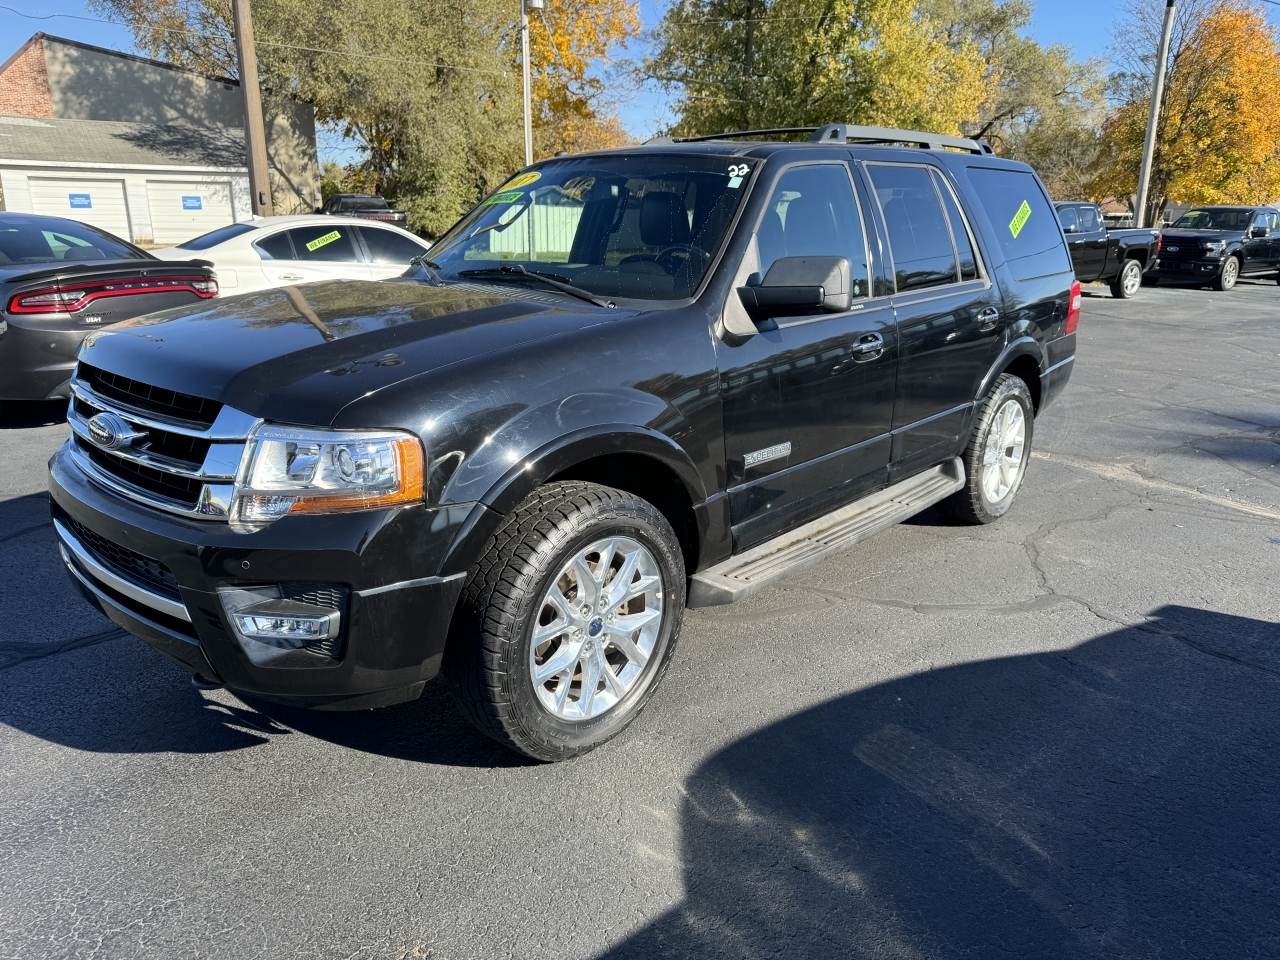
(947, 310)
(314, 252)
(1092, 240)
(807, 400)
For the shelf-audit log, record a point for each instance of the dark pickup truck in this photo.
(366, 206)
(726, 359)
(1100, 253)
(1219, 245)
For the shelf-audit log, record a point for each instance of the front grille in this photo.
(184, 490)
(188, 452)
(142, 570)
(144, 396)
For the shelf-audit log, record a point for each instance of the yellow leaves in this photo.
(1219, 134)
(568, 42)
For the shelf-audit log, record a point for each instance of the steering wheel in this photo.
(670, 259)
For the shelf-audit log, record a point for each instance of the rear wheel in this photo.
(1129, 280)
(568, 623)
(1230, 273)
(995, 460)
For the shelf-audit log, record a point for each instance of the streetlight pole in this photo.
(525, 7)
(255, 134)
(1153, 116)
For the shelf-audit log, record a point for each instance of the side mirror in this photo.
(1068, 228)
(1259, 232)
(799, 285)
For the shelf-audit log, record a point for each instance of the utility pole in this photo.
(525, 7)
(255, 134)
(1153, 116)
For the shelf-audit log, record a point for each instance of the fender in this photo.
(1024, 346)
(552, 458)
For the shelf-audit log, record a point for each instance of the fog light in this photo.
(274, 620)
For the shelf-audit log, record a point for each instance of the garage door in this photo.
(180, 211)
(97, 202)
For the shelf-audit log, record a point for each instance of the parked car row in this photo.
(1209, 246)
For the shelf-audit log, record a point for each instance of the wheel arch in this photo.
(1024, 359)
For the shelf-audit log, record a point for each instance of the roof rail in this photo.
(850, 133)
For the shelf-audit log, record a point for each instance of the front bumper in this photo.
(1199, 269)
(38, 356)
(400, 606)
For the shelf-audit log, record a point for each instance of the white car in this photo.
(278, 251)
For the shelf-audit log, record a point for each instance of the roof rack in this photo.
(850, 133)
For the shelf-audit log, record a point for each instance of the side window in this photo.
(919, 237)
(323, 243)
(813, 213)
(1088, 217)
(390, 246)
(1265, 218)
(959, 230)
(1021, 220)
(1069, 219)
(276, 246)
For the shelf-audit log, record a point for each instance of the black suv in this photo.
(628, 382)
(1219, 245)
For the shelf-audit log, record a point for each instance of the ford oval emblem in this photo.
(1173, 249)
(111, 432)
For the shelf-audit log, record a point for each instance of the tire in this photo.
(980, 500)
(492, 654)
(1228, 275)
(1128, 281)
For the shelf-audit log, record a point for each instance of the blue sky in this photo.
(1085, 25)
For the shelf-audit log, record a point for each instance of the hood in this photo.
(1192, 236)
(300, 354)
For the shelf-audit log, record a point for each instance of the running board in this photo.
(753, 570)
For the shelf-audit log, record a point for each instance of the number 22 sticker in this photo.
(736, 172)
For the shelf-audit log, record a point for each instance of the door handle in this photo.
(290, 276)
(987, 318)
(868, 347)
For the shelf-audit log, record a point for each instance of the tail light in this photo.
(1159, 241)
(1073, 311)
(56, 299)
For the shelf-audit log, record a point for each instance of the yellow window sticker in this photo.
(507, 196)
(1020, 219)
(319, 242)
(522, 181)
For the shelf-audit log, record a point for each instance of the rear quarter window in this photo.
(1023, 222)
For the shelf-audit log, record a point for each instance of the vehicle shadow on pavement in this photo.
(1118, 799)
(23, 414)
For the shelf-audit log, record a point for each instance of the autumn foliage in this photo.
(1219, 133)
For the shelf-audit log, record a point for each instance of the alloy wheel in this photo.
(596, 629)
(1132, 278)
(1002, 457)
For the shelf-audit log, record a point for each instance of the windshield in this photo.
(643, 227)
(59, 241)
(1214, 220)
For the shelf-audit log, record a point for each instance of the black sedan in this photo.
(60, 279)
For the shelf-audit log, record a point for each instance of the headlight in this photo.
(295, 470)
(1214, 248)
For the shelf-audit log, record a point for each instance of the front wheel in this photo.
(1128, 282)
(568, 623)
(995, 461)
(1229, 275)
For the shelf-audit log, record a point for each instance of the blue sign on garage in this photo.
(80, 201)
(192, 203)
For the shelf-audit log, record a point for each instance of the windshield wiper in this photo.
(430, 268)
(518, 272)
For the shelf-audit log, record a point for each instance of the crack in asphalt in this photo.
(15, 652)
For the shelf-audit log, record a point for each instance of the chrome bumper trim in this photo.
(71, 547)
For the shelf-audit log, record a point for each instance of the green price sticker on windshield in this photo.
(1020, 219)
(319, 242)
(510, 196)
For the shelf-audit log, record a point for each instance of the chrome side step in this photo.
(753, 570)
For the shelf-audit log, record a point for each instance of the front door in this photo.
(314, 252)
(948, 314)
(1260, 243)
(807, 405)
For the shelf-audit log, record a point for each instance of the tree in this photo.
(430, 89)
(743, 64)
(1043, 107)
(1218, 140)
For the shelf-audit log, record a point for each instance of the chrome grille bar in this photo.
(71, 547)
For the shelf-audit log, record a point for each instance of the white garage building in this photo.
(146, 150)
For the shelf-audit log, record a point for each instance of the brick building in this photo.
(146, 150)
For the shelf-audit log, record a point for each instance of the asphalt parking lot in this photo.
(1050, 737)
